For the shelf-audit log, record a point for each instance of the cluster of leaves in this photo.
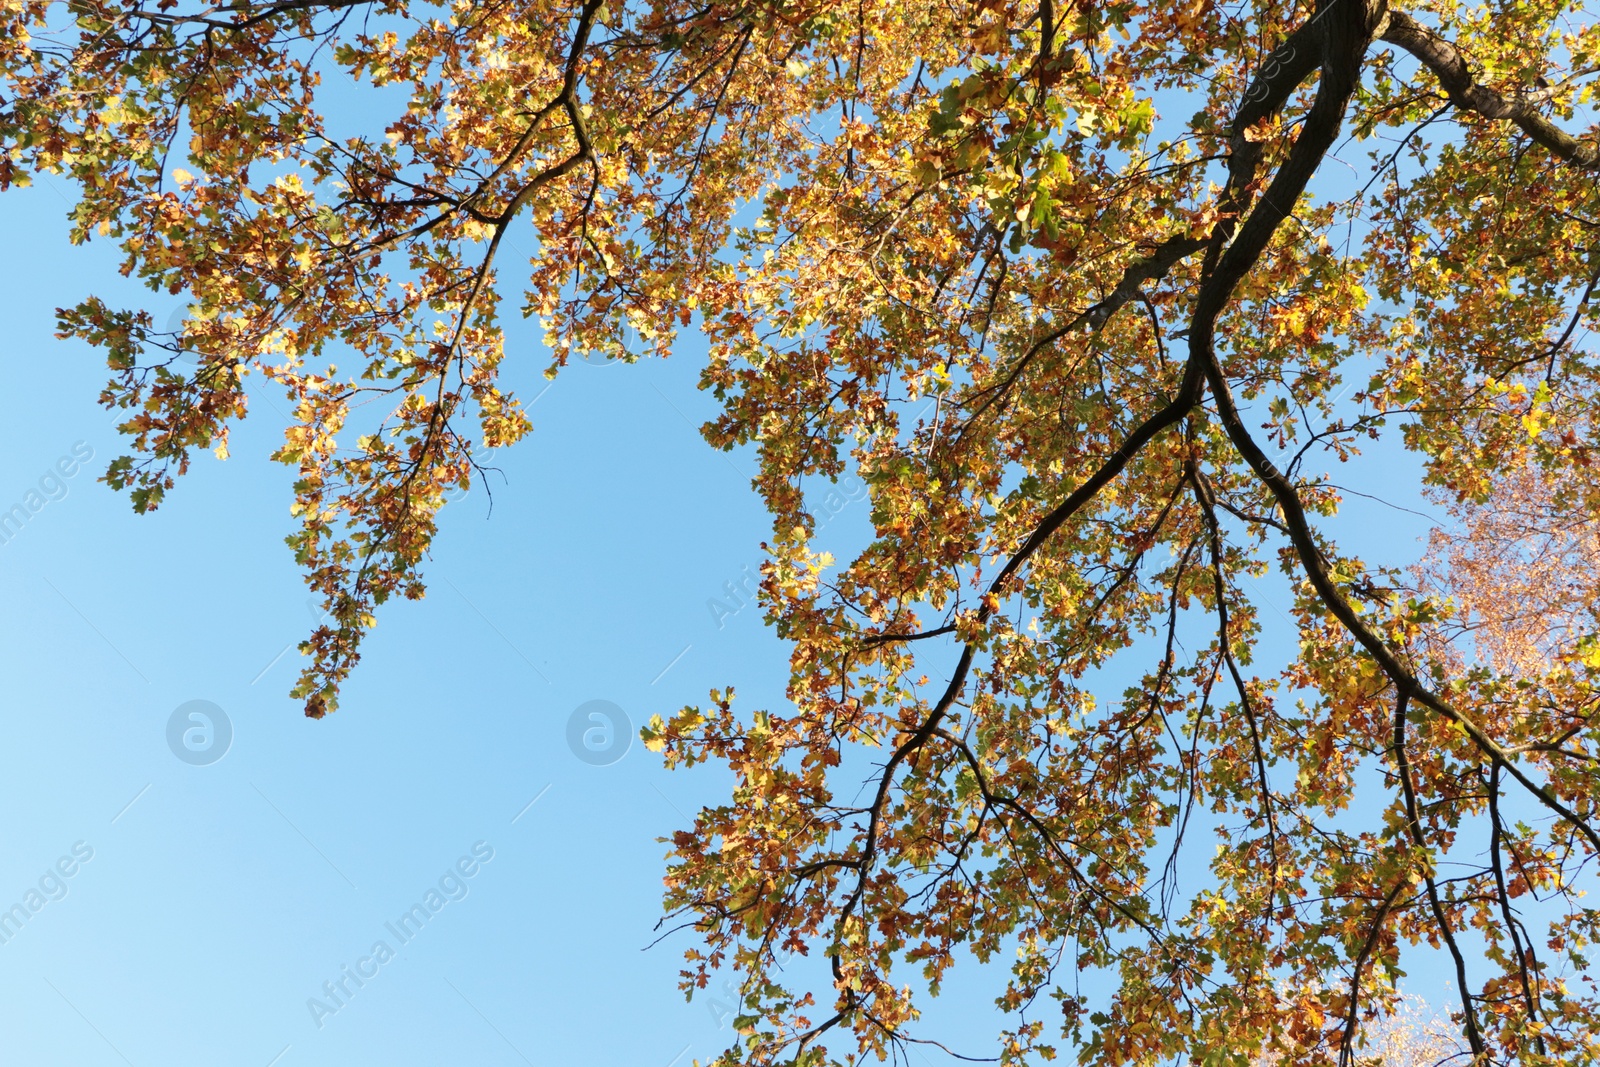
(1411, 1034)
(1020, 265)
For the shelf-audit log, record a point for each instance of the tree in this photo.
(1521, 567)
(1409, 1035)
(1065, 284)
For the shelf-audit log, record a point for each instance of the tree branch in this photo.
(1447, 63)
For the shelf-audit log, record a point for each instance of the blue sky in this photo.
(211, 906)
(220, 898)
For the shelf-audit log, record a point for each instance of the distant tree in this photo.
(1409, 1034)
(1521, 568)
(1077, 290)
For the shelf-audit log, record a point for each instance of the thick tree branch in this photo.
(1455, 77)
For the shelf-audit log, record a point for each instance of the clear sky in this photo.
(217, 899)
(194, 912)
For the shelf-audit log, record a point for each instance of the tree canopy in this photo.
(1092, 296)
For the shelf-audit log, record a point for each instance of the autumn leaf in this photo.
(1102, 305)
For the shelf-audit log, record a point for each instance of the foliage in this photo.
(1522, 568)
(1024, 267)
(1409, 1035)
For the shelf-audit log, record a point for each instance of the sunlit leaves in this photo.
(1014, 268)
